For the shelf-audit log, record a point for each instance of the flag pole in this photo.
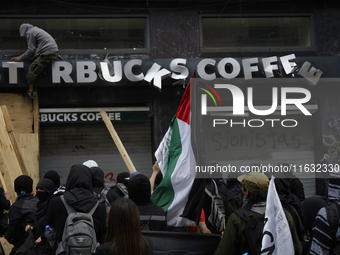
(118, 142)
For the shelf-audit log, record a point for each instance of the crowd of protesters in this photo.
(121, 213)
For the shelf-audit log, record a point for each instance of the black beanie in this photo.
(23, 183)
(53, 176)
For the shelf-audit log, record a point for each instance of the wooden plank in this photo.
(2, 180)
(118, 142)
(2, 170)
(36, 112)
(20, 108)
(13, 140)
(29, 147)
(11, 168)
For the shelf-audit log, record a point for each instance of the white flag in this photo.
(277, 238)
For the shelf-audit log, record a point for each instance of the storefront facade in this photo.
(140, 85)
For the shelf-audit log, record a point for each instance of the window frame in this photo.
(258, 49)
(81, 16)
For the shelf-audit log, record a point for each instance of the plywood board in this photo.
(11, 168)
(29, 148)
(20, 108)
(13, 139)
(36, 123)
(2, 170)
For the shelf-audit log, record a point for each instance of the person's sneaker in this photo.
(30, 94)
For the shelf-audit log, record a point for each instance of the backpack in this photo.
(302, 232)
(217, 213)
(251, 240)
(332, 210)
(122, 188)
(79, 236)
(103, 198)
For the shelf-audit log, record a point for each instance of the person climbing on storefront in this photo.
(42, 48)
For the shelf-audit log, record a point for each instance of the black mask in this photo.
(43, 196)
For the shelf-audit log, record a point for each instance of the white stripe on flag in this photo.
(181, 179)
(277, 236)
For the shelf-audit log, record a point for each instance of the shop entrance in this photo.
(65, 144)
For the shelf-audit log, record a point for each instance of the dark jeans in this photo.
(38, 66)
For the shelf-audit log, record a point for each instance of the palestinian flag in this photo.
(176, 160)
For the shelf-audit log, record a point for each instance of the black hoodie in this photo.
(139, 192)
(44, 198)
(98, 184)
(290, 203)
(139, 189)
(78, 194)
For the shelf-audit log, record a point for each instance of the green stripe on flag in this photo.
(164, 193)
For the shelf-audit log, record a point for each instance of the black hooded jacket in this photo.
(78, 194)
(45, 189)
(296, 186)
(150, 214)
(44, 198)
(21, 213)
(98, 184)
(290, 203)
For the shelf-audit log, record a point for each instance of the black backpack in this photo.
(300, 226)
(332, 210)
(216, 217)
(251, 240)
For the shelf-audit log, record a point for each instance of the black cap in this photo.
(123, 177)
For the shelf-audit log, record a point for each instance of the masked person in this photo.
(21, 213)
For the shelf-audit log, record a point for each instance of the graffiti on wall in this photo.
(256, 140)
(110, 178)
(335, 123)
(332, 143)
